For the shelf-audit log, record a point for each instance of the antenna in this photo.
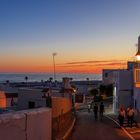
(54, 54)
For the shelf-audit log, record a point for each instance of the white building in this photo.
(126, 84)
(109, 76)
(122, 80)
(8, 96)
(124, 90)
(137, 82)
(30, 98)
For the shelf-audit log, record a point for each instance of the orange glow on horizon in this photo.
(73, 67)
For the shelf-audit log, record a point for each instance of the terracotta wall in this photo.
(2, 99)
(60, 105)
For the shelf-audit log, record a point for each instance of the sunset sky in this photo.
(87, 35)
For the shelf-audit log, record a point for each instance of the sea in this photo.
(38, 77)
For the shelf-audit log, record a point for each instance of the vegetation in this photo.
(50, 79)
(94, 92)
(26, 78)
(7, 81)
(106, 89)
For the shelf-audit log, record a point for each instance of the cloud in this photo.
(86, 62)
(71, 65)
(93, 63)
(92, 66)
(112, 64)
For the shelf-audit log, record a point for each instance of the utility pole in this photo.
(54, 70)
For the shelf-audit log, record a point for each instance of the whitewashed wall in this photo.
(35, 124)
(26, 95)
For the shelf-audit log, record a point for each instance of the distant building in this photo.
(83, 87)
(8, 96)
(30, 98)
(109, 76)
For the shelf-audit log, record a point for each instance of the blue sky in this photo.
(70, 17)
(77, 29)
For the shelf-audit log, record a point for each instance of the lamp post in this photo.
(54, 54)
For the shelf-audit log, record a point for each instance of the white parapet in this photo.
(31, 124)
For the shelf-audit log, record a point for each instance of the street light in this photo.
(54, 54)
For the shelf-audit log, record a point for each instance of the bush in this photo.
(94, 92)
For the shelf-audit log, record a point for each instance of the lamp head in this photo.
(138, 56)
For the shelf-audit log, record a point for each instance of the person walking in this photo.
(101, 110)
(95, 109)
(92, 105)
(130, 116)
(89, 107)
(121, 116)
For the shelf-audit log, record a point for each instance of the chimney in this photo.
(66, 82)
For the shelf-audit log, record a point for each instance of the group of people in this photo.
(129, 113)
(97, 110)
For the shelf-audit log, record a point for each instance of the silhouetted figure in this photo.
(12, 102)
(130, 116)
(121, 116)
(101, 110)
(95, 109)
(89, 107)
(49, 101)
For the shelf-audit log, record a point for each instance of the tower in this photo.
(138, 52)
(137, 66)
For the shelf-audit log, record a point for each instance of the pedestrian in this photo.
(92, 105)
(121, 116)
(101, 110)
(89, 107)
(130, 116)
(12, 102)
(95, 109)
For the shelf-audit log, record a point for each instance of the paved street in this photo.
(135, 132)
(86, 128)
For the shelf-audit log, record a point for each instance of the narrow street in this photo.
(86, 128)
